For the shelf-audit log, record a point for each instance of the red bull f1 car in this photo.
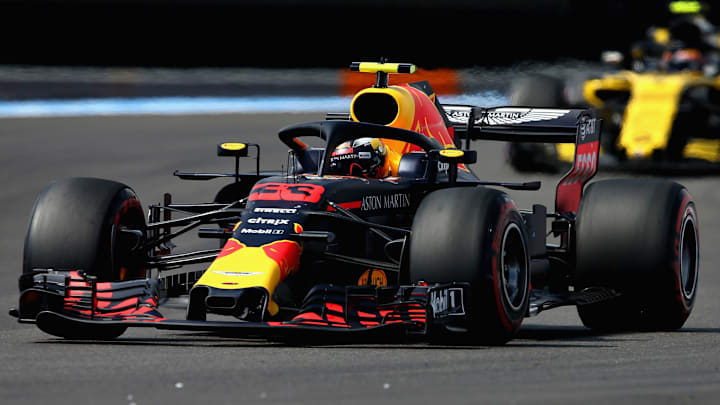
(429, 251)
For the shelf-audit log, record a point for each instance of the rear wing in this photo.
(514, 124)
(529, 124)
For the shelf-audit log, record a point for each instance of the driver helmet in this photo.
(363, 157)
(684, 59)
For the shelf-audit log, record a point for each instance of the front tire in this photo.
(86, 224)
(639, 237)
(475, 235)
(82, 224)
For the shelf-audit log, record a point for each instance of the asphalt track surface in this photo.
(553, 360)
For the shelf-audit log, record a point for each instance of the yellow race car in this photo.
(661, 112)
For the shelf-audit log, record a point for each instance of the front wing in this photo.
(73, 305)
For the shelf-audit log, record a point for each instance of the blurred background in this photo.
(195, 47)
(312, 33)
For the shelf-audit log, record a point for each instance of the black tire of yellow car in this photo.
(475, 235)
(75, 225)
(639, 237)
(535, 91)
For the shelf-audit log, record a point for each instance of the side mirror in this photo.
(456, 156)
(236, 149)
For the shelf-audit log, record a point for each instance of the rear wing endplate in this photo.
(530, 124)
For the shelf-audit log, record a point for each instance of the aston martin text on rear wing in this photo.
(522, 124)
(528, 124)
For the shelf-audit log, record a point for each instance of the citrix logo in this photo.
(268, 221)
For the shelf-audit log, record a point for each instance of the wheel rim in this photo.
(689, 253)
(513, 264)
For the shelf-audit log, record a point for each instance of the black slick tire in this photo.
(75, 225)
(87, 224)
(475, 235)
(639, 237)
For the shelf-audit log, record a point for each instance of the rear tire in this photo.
(639, 237)
(475, 235)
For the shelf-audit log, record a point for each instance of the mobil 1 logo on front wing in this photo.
(446, 301)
